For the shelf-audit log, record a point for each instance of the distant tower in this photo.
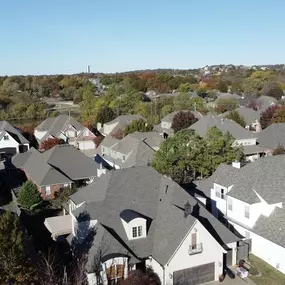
(88, 68)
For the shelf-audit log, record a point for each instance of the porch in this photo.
(59, 225)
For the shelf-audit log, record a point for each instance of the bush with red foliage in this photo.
(183, 120)
(50, 143)
(119, 134)
(266, 116)
(97, 140)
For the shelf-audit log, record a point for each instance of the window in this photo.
(247, 211)
(6, 138)
(137, 231)
(220, 193)
(124, 158)
(230, 204)
(47, 190)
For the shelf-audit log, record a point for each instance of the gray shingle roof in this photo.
(161, 200)
(16, 134)
(260, 176)
(229, 96)
(54, 126)
(223, 124)
(169, 118)
(272, 136)
(21, 158)
(250, 116)
(272, 227)
(266, 101)
(61, 164)
(72, 162)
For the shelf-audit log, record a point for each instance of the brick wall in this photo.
(53, 190)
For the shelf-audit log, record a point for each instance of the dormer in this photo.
(134, 224)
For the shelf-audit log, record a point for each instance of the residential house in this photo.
(143, 218)
(117, 124)
(251, 117)
(272, 137)
(58, 167)
(136, 149)
(165, 126)
(252, 199)
(11, 140)
(261, 103)
(66, 128)
(229, 96)
(243, 137)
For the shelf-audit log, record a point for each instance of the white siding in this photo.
(86, 145)
(166, 125)
(246, 142)
(10, 143)
(135, 222)
(39, 134)
(265, 249)
(107, 129)
(157, 268)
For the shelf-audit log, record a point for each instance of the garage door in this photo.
(195, 275)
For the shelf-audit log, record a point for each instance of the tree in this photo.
(266, 116)
(186, 156)
(279, 150)
(272, 89)
(183, 120)
(105, 115)
(226, 104)
(235, 116)
(29, 196)
(279, 115)
(119, 134)
(137, 277)
(220, 148)
(50, 143)
(15, 263)
(181, 101)
(97, 140)
(222, 86)
(138, 126)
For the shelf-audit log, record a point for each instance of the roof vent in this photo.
(187, 210)
(166, 189)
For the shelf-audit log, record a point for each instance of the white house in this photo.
(242, 136)
(136, 149)
(11, 140)
(252, 199)
(66, 128)
(143, 218)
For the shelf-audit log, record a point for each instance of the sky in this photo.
(64, 36)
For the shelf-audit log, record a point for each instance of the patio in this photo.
(235, 281)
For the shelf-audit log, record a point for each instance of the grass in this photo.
(269, 275)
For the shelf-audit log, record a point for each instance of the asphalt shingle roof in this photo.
(159, 199)
(61, 164)
(223, 124)
(272, 136)
(16, 134)
(266, 176)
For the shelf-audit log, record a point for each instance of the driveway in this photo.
(235, 281)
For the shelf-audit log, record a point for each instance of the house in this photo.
(229, 96)
(66, 128)
(242, 136)
(272, 137)
(265, 101)
(251, 117)
(117, 124)
(165, 126)
(58, 167)
(252, 199)
(11, 140)
(136, 149)
(143, 218)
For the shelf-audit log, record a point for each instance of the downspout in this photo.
(163, 281)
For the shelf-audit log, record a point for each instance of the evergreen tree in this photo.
(235, 116)
(15, 264)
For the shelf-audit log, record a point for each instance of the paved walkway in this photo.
(235, 281)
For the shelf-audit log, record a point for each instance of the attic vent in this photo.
(187, 210)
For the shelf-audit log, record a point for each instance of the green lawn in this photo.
(270, 276)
